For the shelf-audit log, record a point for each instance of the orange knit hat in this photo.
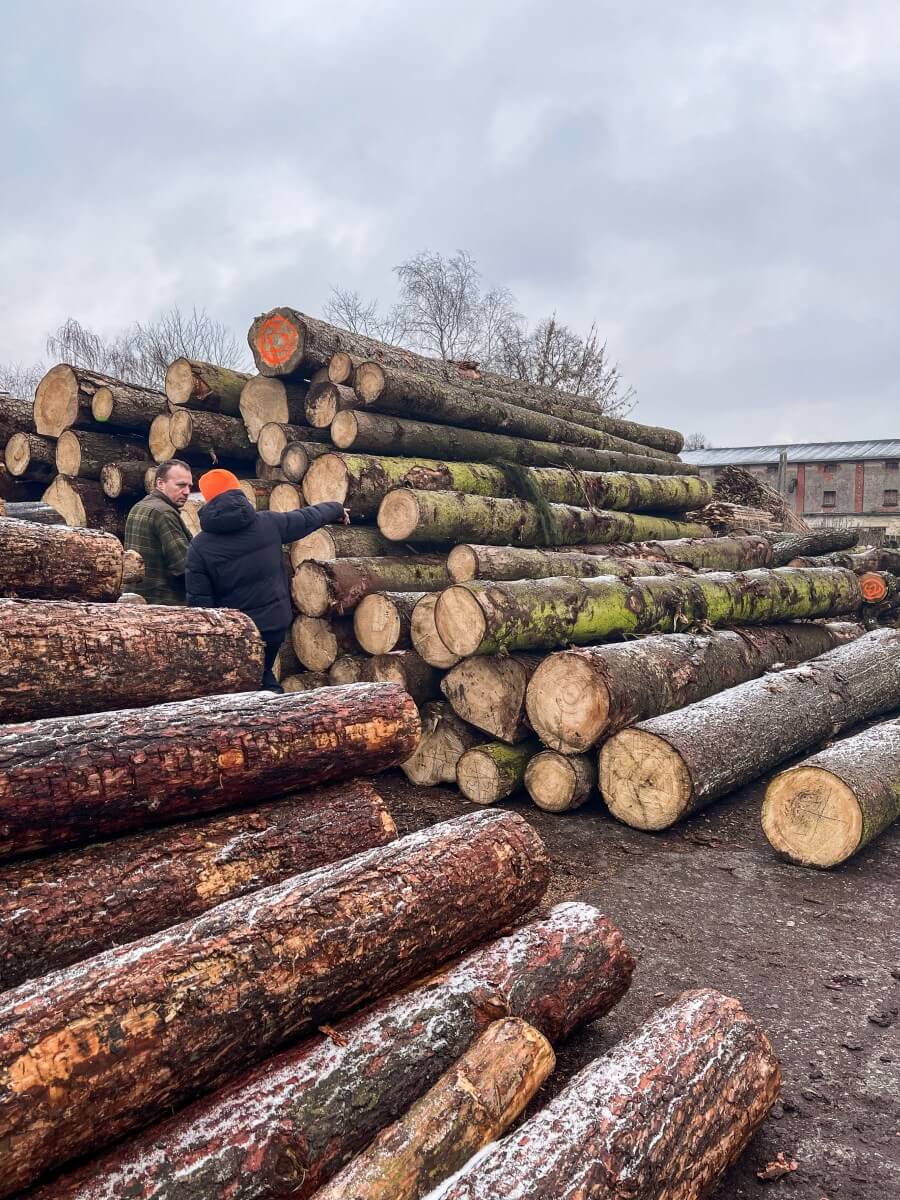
(215, 482)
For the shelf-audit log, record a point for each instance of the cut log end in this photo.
(644, 781)
(295, 462)
(318, 546)
(284, 497)
(377, 624)
(277, 343)
(312, 584)
(181, 429)
(557, 784)
(462, 563)
(159, 438)
(68, 454)
(344, 430)
(425, 638)
(460, 622)
(812, 817)
(179, 381)
(326, 479)
(368, 381)
(102, 404)
(478, 778)
(873, 587)
(56, 401)
(17, 454)
(272, 443)
(340, 367)
(399, 515)
(567, 704)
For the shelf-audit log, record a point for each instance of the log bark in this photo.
(738, 553)
(146, 1025)
(274, 439)
(560, 783)
(578, 698)
(211, 434)
(873, 558)
(15, 416)
(494, 771)
(19, 491)
(64, 398)
(817, 541)
(132, 568)
(469, 1107)
(506, 563)
(289, 1125)
(304, 681)
(119, 480)
(30, 456)
(57, 563)
(425, 637)
(286, 661)
(408, 670)
(63, 658)
(382, 620)
(84, 454)
(171, 761)
(445, 738)
(350, 668)
(823, 811)
(485, 618)
(661, 770)
(81, 502)
(662, 1115)
(117, 405)
(379, 434)
(262, 470)
(489, 693)
(32, 510)
(325, 401)
(49, 911)
(319, 642)
(264, 400)
(202, 385)
(343, 541)
(409, 516)
(321, 588)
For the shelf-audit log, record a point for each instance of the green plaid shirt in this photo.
(155, 529)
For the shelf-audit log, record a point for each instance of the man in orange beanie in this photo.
(237, 559)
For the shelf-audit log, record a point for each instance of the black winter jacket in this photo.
(237, 561)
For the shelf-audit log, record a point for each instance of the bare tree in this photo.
(19, 381)
(696, 441)
(346, 308)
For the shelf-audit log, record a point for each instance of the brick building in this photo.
(842, 482)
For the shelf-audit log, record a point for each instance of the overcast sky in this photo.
(716, 184)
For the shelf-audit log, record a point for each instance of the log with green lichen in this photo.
(739, 553)
(321, 588)
(203, 385)
(531, 614)
(488, 773)
(503, 563)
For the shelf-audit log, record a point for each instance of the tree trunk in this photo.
(325, 401)
(661, 770)
(343, 541)
(873, 558)
(264, 400)
(132, 568)
(259, 492)
(493, 771)
(274, 439)
(578, 698)
(489, 693)
(81, 502)
(425, 637)
(83, 454)
(202, 385)
(49, 917)
(485, 618)
(262, 470)
(470, 1106)
(409, 516)
(305, 681)
(127, 480)
(506, 563)
(379, 434)
(318, 642)
(445, 738)
(57, 563)
(30, 456)
(32, 510)
(822, 812)
(337, 587)
(147, 1025)
(159, 439)
(119, 405)
(176, 760)
(16, 416)
(557, 783)
(661, 1115)
(212, 434)
(409, 670)
(65, 397)
(290, 1124)
(62, 658)
(286, 661)
(381, 621)
(738, 553)
(816, 542)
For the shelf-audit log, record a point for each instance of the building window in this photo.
(772, 468)
(890, 498)
(828, 499)
(892, 464)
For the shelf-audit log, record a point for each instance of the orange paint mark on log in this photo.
(277, 340)
(873, 587)
(231, 760)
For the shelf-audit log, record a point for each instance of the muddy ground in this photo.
(815, 956)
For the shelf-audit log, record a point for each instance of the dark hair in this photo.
(162, 471)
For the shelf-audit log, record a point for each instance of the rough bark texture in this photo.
(289, 1125)
(120, 480)
(202, 385)
(63, 657)
(304, 681)
(504, 563)
(410, 516)
(660, 1117)
(32, 510)
(381, 621)
(65, 397)
(337, 587)
(739, 553)
(577, 698)
(377, 433)
(274, 439)
(211, 434)
(533, 614)
(30, 456)
(325, 401)
(15, 415)
(64, 908)
(84, 454)
(93, 1052)
(874, 558)
(489, 693)
(817, 541)
(826, 809)
(132, 568)
(468, 1107)
(343, 541)
(425, 637)
(82, 502)
(408, 670)
(445, 738)
(560, 783)
(661, 770)
(279, 400)
(318, 641)
(122, 406)
(493, 771)
(69, 779)
(58, 563)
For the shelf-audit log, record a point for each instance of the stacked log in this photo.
(53, 562)
(445, 738)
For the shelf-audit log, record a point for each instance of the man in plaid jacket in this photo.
(155, 529)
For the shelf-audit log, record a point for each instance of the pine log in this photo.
(823, 811)
(318, 642)
(32, 510)
(350, 668)
(873, 558)
(468, 1107)
(337, 587)
(120, 480)
(30, 456)
(445, 738)
(341, 367)
(81, 502)
(661, 770)
(377, 433)
(662, 1115)
(264, 400)
(560, 783)
(381, 621)
(121, 406)
(274, 439)
(424, 635)
(408, 670)
(202, 385)
(54, 562)
(304, 681)
(285, 497)
(175, 760)
(132, 568)
(489, 693)
(62, 657)
(325, 401)
(147, 1025)
(817, 541)
(259, 492)
(16, 416)
(578, 698)
(64, 398)
(212, 434)
(738, 553)
(506, 563)
(494, 770)
(83, 454)
(534, 614)
(343, 541)
(289, 1125)
(49, 911)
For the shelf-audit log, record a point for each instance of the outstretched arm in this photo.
(295, 525)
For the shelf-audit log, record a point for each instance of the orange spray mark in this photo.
(277, 340)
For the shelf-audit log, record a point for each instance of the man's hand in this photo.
(346, 520)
